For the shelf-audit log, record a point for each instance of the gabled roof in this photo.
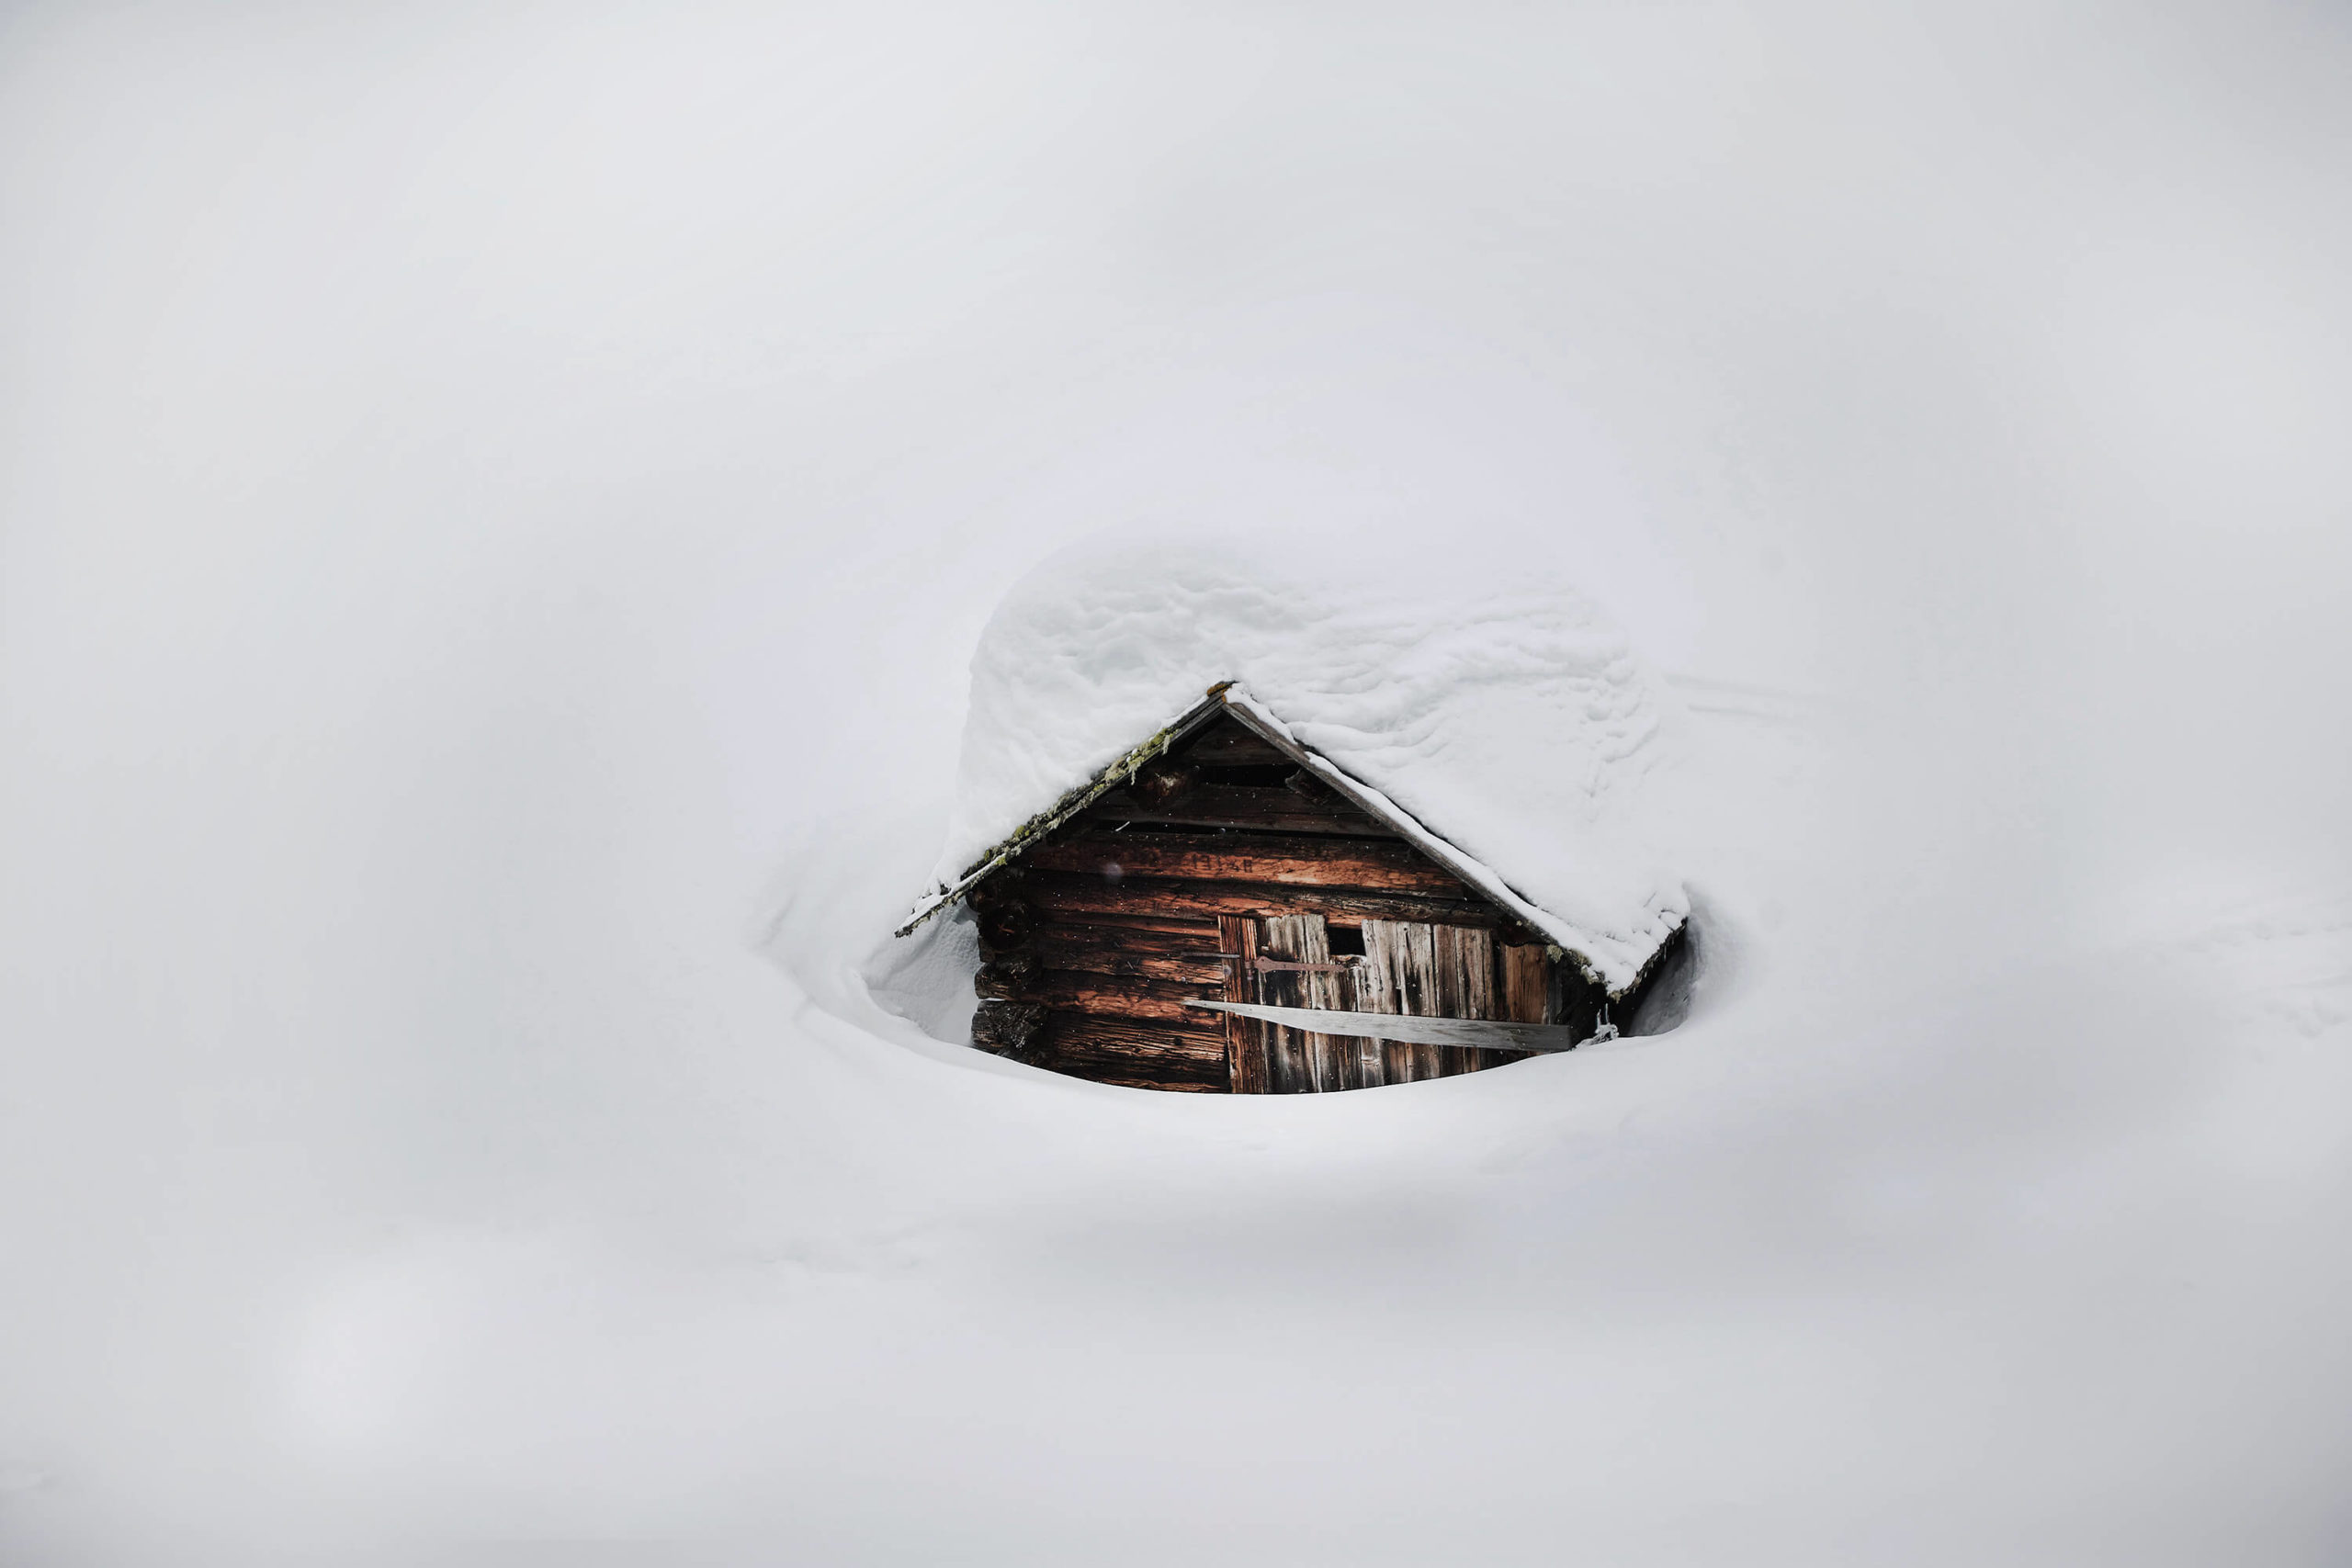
(1229, 699)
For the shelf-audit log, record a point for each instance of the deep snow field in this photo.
(498, 506)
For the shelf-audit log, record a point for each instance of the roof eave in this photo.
(1122, 770)
(1473, 873)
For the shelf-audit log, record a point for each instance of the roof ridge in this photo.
(1235, 698)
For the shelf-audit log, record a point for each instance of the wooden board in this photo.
(1297, 1061)
(1415, 969)
(1201, 977)
(1245, 1039)
(1223, 744)
(1097, 931)
(1120, 996)
(1061, 895)
(1137, 1055)
(1527, 984)
(1198, 929)
(1465, 984)
(1279, 860)
(1374, 990)
(1526, 988)
(1149, 955)
(1263, 807)
(1398, 975)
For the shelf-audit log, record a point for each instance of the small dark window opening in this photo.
(1346, 940)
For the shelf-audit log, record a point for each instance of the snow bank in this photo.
(1505, 713)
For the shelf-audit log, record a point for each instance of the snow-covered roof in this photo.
(1506, 728)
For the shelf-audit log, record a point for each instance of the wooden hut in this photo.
(1222, 909)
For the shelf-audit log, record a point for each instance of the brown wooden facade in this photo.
(1224, 869)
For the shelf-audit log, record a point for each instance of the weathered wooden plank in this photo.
(1067, 894)
(1526, 987)
(1466, 970)
(1106, 950)
(1245, 1038)
(1480, 1034)
(1363, 1062)
(1286, 1067)
(1422, 993)
(1096, 930)
(1113, 966)
(1223, 744)
(1283, 860)
(1373, 989)
(1401, 965)
(1308, 1063)
(1198, 930)
(1117, 996)
(1527, 984)
(1195, 1037)
(1142, 1056)
(1466, 985)
(1185, 813)
(1268, 808)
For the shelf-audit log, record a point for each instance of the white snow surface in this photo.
(496, 507)
(1503, 710)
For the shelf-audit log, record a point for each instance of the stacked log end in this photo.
(1007, 1023)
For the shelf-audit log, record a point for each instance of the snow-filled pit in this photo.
(1227, 825)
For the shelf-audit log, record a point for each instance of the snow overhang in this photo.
(1230, 698)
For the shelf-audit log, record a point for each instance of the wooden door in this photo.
(1299, 972)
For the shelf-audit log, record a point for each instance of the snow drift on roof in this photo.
(1511, 718)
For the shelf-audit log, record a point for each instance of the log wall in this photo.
(1186, 883)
